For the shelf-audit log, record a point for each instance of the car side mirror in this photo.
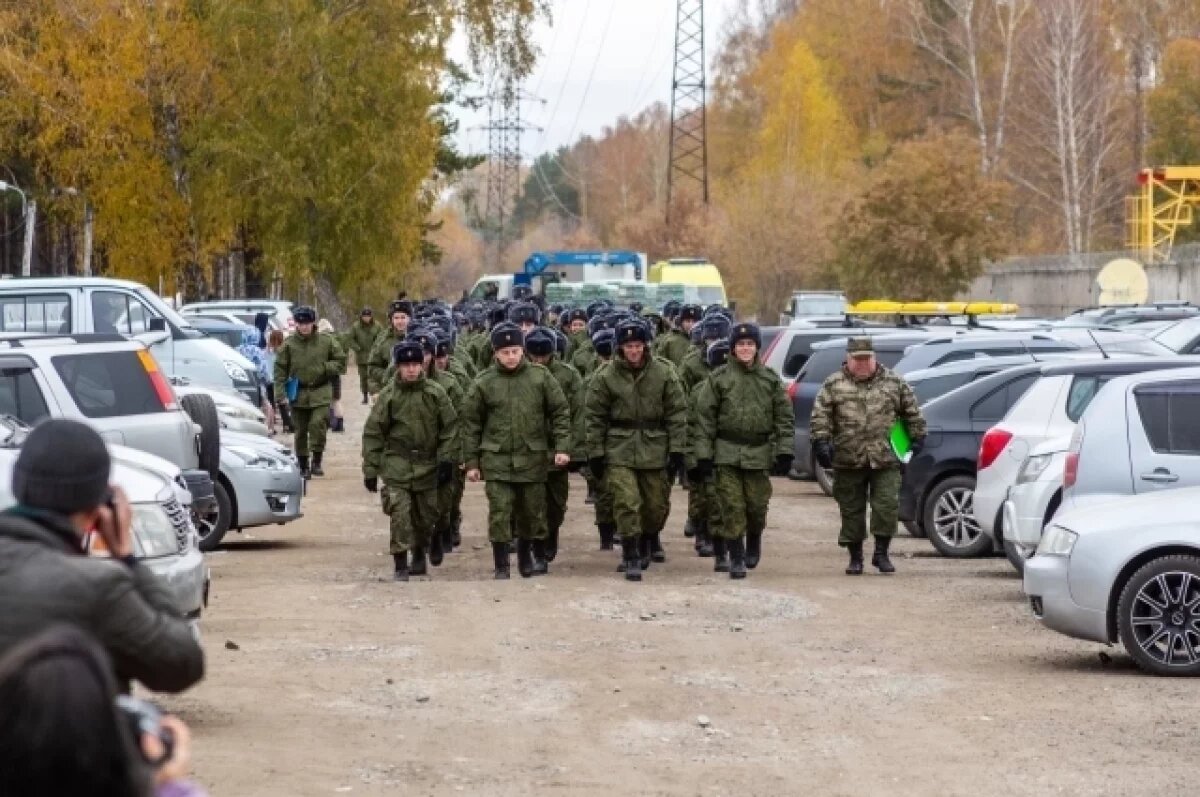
(157, 325)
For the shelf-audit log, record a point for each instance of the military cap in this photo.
(505, 335)
(560, 343)
(714, 327)
(524, 313)
(304, 315)
(746, 331)
(539, 342)
(602, 342)
(690, 312)
(577, 315)
(522, 292)
(424, 337)
(632, 331)
(445, 344)
(408, 351)
(860, 347)
(401, 306)
(671, 309)
(717, 354)
(366, 311)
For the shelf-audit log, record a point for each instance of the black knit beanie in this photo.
(63, 467)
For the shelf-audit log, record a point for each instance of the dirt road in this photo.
(799, 680)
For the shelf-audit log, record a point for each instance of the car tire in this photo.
(1015, 557)
(211, 540)
(949, 519)
(823, 476)
(201, 409)
(914, 528)
(1175, 581)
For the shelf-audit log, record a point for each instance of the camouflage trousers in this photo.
(854, 489)
(641, 500)
(311, 424)
(362, 375)
(519, 506)
(412, 513)
(743, 496)
(704, 507)
(558, 489)
(603, 506)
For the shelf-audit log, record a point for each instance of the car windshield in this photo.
(1113, 342)
(108, 384)
(230, 337)
(819, 305)
(163, 309)
(1179, 336)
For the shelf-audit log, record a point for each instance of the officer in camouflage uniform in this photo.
(636, 422)
(851, 423)
(411, 440)
(400, 315)
(359, 339)
(315, 360)
(516, 422)
(746, 431)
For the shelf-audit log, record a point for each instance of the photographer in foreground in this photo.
(61, 484)
(66, 731)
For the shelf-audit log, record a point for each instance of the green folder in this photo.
(901, 443)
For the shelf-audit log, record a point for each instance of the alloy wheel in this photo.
(954, 518)
(1166, 619)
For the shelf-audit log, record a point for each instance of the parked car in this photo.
(1113, 341)
(91, 305)
(281, 311)
(1032, 500)
(1141, 434)
(1181, 337)
(1133, 314)
(233, 412)
(1049, 409)
(790, 350)
(930, 383)
(940, 350)
(259, 485)
(163, 535)
(1125, 570)
(273, 321)
(937, 491)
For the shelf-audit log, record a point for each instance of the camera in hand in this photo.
(143, 717)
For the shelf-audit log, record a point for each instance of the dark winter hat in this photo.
(445, 345)
(505, 335)
(365, 312)
(524, 313)
(577, 315)
(408, 351)
(603, 341)
(63, 467)
(860, 347)
(746, 331)
(560, 343)
(631, 332)
(715, 327)
(401, 306)
(304, 315)
(539, 342)
(690, 312)
(522, 292)
(424, 337)
(717, 354)
(595, 307)
(671, 309)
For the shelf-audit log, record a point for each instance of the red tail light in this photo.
(791, 389)
(994, 442)
(161, 386)
(1071, 470)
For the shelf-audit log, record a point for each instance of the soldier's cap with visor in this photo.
(408, 352)
(860, 347)
(505, 335)
(540, 342)
(632, 331)
(304, 315)
(746, 331)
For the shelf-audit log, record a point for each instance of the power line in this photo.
(566, 76)
(592, 74)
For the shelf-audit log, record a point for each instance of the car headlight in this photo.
(1057, 541)
(1033, 467)
(153, 534)
(236, 372)
(256, 459)
(241, 413)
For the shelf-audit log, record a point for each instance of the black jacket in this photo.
(46, 580)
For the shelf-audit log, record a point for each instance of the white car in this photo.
(234, 413)
(280, 311)
(1034, 499)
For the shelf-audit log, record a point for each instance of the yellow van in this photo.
(701, 281)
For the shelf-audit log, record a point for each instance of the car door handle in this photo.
(1160, 476)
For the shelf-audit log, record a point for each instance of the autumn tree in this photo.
(1174, 107)
(925, 225)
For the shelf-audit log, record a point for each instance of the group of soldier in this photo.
(520, 397)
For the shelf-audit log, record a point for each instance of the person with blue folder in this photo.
(305, 368)
(865, 424)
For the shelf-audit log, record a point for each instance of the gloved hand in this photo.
(371, 483)
(783, 464)
(445, 473)
(823, 449)
(703, 470)
(597, 465)
(916, 445)
(675, 462)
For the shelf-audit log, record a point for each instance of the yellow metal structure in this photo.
(881, 307)
(1166, 200)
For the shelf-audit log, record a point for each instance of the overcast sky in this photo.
(599, 59)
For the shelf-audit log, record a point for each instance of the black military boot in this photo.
(737, 557)
(880, 558)
(401, 563)
(457, 531)
(753, 549)
(855, 567)
(657, 554)
(608, 533)
(721, 562)
(435, 549)
(552, 545)
(418, 562)
(317, 470)
(303, 463)
(591, 494)
(705, 547)
(524, 558)
(643, 551)
(541, 562)
(689, 529)
(448, 539)
(632, 560)
(701, 533)
(500, 558)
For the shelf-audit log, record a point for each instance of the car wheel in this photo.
(201, 409)
(950, 519)
(1017, 554)
(1158, 616)
(212, 533)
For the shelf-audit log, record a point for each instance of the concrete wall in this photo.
(1054, 285)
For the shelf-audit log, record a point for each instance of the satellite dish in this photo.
(1122, 281)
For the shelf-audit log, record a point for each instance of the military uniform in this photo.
(315, 360)
(584, 358)
(745, 430)
(410, 440)
(514, 421)
(636, 421)
(602, 497)
(360, 338)
(852, 419)
(379, 361)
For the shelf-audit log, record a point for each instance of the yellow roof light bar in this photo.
(883, 307)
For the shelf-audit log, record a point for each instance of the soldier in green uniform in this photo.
(576, 327)
(744, 429)
(677, 342)
(541, 346)
(516, 422)
(602, 343)
(636, 422)
(443, 358)
(411, 440)
(851, 424)
(703, 510)
(380, 359)
(692, 372)
(314, 360)
(361, 337)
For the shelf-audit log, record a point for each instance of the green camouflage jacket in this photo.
(315, 359)
(360, 338)
(743, 417)
(572, 386)
(857, 416)
(635, 417)
(380, 358)
(411, 428)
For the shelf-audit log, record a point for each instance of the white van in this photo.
(95, 305)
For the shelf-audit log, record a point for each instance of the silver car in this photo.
(259, 485)
(1126, 569)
